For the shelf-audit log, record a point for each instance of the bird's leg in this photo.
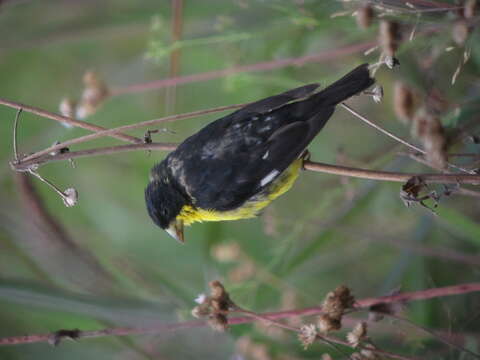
(305, 157)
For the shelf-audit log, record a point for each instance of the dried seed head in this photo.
(218, 322)
(94, 94)
(364, 16)
(67, 109)
(71, 197)
(389, 37)
(337, 301)
(429, 130)
(403, 102)
(333, 307)
(307, 335)
(460, 32)
(327, 324)
(469, 9)
(202, 310)
(217, 291)
(358, 334)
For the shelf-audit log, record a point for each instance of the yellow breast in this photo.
(251, 208)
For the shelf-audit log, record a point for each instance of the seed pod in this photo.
(403, 102)
(364, 16)
(429, 130)
(389, 37)
(460, 32)
(469, 9)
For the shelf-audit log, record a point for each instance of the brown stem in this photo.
(25, 165)
(65, 120)
(332, 54)
(111, 132)
(308, 165)
(393, 136)
(323, 338)
(365, 303)
(391, 176)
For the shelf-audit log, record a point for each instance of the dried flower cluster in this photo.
(333, 307)
(214, 307)
(389, 41)
(307, 335)
(364, 16)
(428, 128)
(403, 102)
(462, 27)
(357, 337)
(358, 334)
(94, 94)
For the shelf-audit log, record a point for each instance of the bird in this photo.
(237, 165)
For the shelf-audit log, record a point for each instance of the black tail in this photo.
(351, 84)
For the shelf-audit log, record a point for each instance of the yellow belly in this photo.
(251, 208)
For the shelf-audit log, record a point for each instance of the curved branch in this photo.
(66, 120)
(360, 304)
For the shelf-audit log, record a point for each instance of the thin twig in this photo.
(393, 136)
(15, 127)
(382, 130)
(365, 303)
(111, 132)
(25, 165)
(308, 165)
(50, 184)
(66, 120)
(391, 176)
(331, 54)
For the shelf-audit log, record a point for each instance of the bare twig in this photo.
(15, 127)
(382, 130)
(393, 136)
(24, 165)
(391, 176)
(111, 132)
(66, 120)
(365, 303)
(308, 165)
(262, 66)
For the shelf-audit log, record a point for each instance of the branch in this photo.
(332, 54)
(360, 304)
(65, 120)
(112, 132)
(308, 165)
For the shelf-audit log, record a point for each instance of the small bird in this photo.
(235, 166)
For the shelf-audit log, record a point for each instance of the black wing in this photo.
(231, 159)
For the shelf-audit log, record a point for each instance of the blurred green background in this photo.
(103, 262)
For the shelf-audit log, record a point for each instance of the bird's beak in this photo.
(175, 230)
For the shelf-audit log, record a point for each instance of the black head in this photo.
(164, 203)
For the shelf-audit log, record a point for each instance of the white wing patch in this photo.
(269, 177)
(265, 155)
